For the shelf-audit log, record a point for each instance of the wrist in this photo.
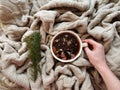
(102, 68)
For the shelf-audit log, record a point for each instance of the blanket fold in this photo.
(94, 19)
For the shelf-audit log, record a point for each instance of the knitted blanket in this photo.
(95, 19)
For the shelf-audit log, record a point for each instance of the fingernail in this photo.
(83, 40)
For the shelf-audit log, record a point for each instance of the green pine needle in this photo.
(33, 43)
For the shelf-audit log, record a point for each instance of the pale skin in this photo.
(96, 56)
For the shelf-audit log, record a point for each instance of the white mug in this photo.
(81, 45)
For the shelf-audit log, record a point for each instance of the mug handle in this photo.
(84, 44)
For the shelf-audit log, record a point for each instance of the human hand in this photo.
(96, 56)
(95, 53)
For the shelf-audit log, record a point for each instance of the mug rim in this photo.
(69, 60)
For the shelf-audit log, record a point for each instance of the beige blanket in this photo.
(95, 19)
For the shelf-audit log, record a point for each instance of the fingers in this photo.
(92, 44)
(90, 41)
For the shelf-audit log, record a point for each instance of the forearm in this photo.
(111, 81)
(96, 56)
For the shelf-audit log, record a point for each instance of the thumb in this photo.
(87, 50)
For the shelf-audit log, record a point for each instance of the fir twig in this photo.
(33, 44)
